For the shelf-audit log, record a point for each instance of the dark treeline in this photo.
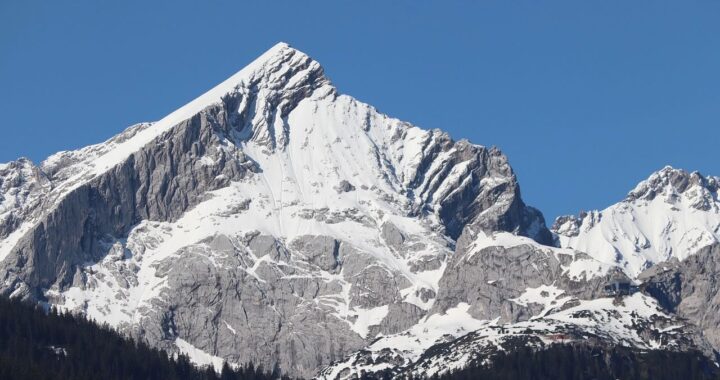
(583, 362)
(38, 345)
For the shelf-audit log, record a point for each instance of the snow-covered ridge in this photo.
(672, 214)
(277, 70)
(276, 220)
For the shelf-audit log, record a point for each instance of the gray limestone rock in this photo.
(392, 235)
(690, 289)
(344, 187)
(262, 245)
(401, 316)
(322, 251)
(268, 319)
(490, 278)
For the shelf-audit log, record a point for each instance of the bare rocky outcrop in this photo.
(690, 289)
(492, 278)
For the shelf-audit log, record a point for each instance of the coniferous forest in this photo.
(39, 345)
(584, 362)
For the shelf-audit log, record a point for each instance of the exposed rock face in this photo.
(159, 182)
(493, 279)
(242, 306)
(344, 187)
(271, 220)
(690, 289)
(321, 251)
(392, 235)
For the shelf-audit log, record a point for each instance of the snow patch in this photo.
(199, 356)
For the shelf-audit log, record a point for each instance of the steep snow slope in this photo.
(672, 214)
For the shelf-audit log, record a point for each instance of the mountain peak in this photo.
(280, 46)
(280, 58)
(273, 213)
(671, 214)
(673, 182)
(282, 49)
(280, 67)
(271, 85)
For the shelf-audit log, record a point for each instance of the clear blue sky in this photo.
(585, 97)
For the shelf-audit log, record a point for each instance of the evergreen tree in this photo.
(585, 362)
(40, 345)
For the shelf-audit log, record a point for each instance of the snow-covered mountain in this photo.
(672, 214)
(277, 221)
(271, 219)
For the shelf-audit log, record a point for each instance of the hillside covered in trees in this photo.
(584, 362)
(36, 345)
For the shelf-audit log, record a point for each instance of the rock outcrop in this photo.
(690, 289)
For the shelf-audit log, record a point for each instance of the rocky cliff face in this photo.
(501, 268)
(690, 289)
(277, 221)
